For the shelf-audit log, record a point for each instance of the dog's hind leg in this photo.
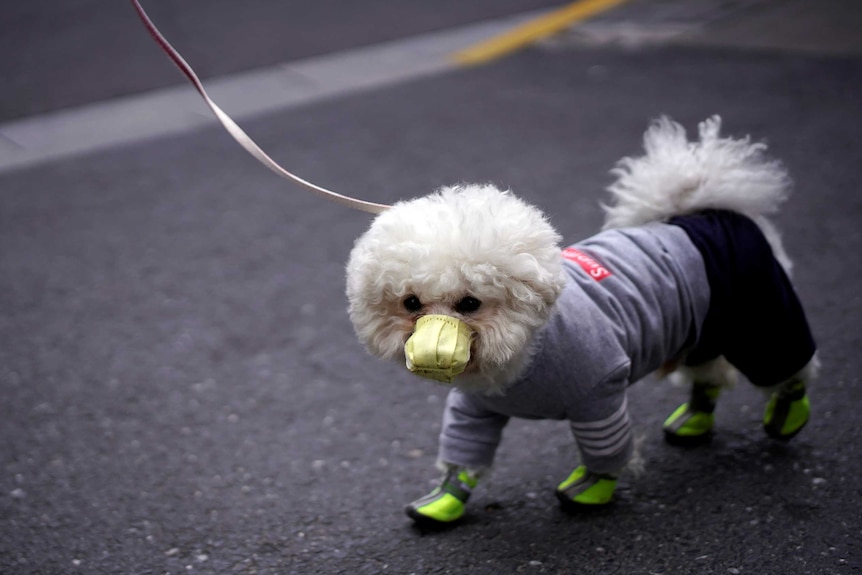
(692, 422)
(788, 408)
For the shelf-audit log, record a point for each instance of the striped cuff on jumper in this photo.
(606, 444)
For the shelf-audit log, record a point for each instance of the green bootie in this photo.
(584, 490)
(445, 504)
(691, 423)
(787, 412)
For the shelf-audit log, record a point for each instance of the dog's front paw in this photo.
(445, 504)
(584, 490)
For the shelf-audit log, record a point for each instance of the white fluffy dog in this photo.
(470, 286)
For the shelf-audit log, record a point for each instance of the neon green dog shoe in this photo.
(584, 490)
(691, 423)
(787, 412)
(445, 504)
(688, 427)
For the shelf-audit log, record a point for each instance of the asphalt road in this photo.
(62, 54)
(182, 391)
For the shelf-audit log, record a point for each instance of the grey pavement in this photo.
(62, 54)
(182, 392)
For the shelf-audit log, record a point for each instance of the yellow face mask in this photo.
(439, 348)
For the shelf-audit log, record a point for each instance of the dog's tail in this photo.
(678, 177)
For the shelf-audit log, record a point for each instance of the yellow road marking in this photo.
(532, 31)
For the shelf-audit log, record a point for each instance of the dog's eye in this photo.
(412, 303)
(467, 304)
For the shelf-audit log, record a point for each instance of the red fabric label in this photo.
(595, 270)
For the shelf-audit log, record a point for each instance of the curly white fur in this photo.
(676, 177)
(460, 241)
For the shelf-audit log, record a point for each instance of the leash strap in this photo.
(239, 135)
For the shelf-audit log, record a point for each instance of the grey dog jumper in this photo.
(634, 298)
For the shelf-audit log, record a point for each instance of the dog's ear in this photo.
(548, 288)
(532, 270)
(540, 291)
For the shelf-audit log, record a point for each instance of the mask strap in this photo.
(240, 136)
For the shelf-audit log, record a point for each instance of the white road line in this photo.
(39, 139)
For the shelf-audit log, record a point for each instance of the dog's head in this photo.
(471, 257)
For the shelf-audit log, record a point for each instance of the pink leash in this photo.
(240, 136)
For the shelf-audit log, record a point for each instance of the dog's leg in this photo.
(445, 504)
(606, 445)
(468, 441)
(692, 422)
(584, 490)
(788, 408)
